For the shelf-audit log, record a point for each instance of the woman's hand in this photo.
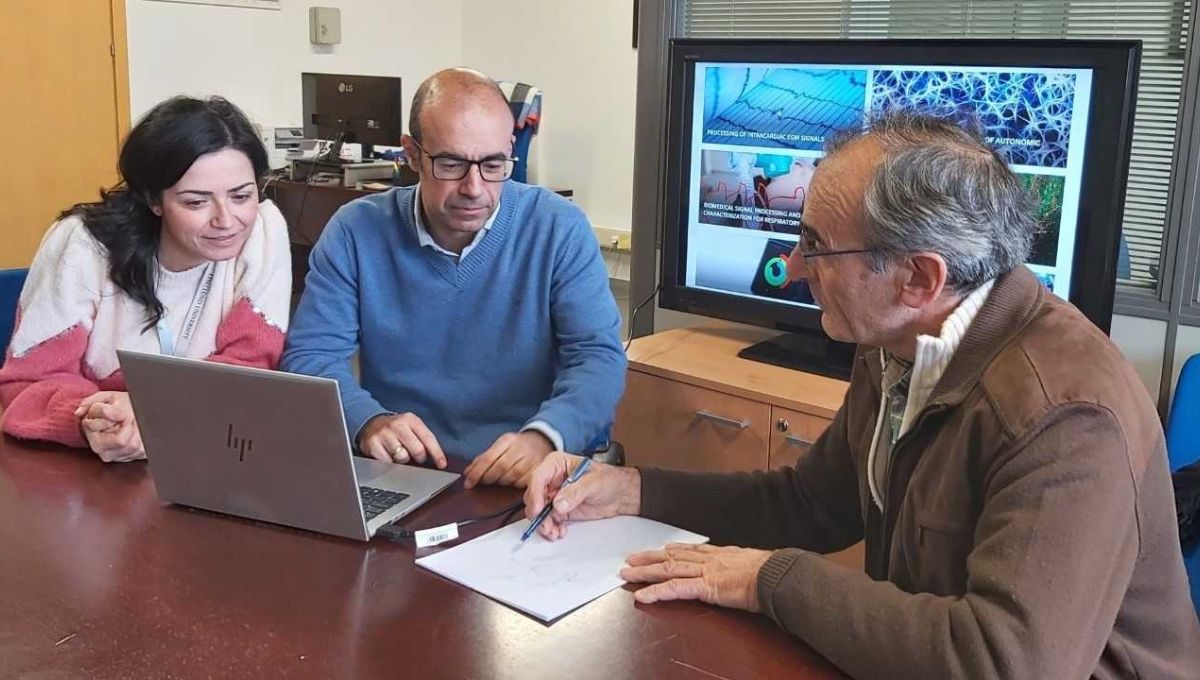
(107, 422)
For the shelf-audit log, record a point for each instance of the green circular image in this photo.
(775, 271)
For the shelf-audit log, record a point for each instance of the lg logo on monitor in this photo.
(346, 88)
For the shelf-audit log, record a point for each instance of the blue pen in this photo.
(541, 516)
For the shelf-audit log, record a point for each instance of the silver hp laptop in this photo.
(265, 445)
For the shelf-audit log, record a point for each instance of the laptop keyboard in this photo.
(377, 501)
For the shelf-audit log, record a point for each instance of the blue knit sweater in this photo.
(524, 328)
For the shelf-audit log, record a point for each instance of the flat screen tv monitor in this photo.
(357, 109)
(748, 119)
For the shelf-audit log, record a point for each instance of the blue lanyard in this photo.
(166, 342)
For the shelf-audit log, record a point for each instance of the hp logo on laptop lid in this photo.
(239, 444)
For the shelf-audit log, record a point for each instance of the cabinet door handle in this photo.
(797, 440)
(722, 420)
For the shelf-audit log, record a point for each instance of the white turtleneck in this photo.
(929, 363)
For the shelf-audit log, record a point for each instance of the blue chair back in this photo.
(1183, 422)
(11, 283)
(1183, 445)
(521, 150)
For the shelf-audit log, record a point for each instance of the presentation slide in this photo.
(754, 190)
(750, 266)
(759, 131)
(791, 108)
(1047, 192)
(1026, 116)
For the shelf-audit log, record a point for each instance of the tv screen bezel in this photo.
(1114, 64)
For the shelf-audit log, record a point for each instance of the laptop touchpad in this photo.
(368, 469)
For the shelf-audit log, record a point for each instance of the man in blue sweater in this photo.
(479, 307)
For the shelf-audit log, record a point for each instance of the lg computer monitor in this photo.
(346, 108)
(748, 120)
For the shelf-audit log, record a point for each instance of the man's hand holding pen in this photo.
(605, 491)
(722, 575)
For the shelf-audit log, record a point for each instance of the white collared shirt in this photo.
(426, 240)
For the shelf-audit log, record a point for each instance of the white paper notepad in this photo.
(548, 579)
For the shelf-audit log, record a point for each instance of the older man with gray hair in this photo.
(998, 455)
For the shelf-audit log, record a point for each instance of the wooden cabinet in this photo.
(792, 434)
(692, 404)
(671, 424)
(307, 208)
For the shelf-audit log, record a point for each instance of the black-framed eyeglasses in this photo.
(808, 247)
(452, 168)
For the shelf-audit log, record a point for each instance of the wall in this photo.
(580, 54)
(255, 57)
(1141, 341)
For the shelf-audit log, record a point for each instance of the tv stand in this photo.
(691, 404)
(808, 351)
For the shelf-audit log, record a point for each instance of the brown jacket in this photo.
(1028, 530)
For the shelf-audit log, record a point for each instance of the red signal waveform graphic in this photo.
(798, 194)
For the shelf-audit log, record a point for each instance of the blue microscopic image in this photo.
(1025, 116)
(1046, 279)
(792, 108)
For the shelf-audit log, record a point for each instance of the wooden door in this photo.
(64, 106)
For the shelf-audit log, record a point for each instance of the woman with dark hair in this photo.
(180, 258)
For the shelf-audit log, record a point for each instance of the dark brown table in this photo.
(98, 579)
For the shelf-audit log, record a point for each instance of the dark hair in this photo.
(155, 155)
